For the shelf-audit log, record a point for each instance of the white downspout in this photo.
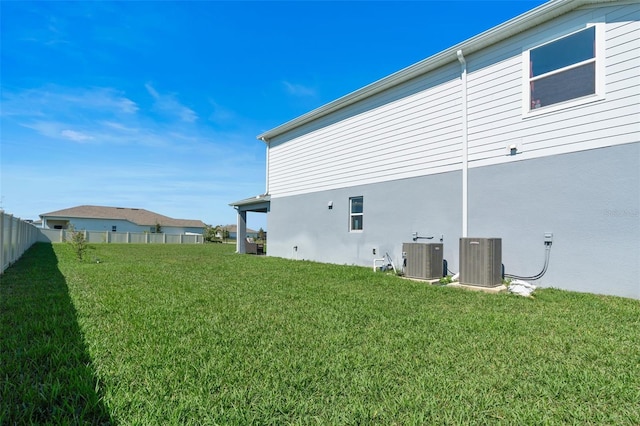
(465, 144)
(266, 179)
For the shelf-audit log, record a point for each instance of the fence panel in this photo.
(16, 236)
(93, 237)
(173, 239)
(51, 235)
(119, 237)
(138, 238)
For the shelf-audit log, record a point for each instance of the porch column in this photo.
(241, 232)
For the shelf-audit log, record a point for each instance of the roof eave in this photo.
(527, 20)
(259, 199)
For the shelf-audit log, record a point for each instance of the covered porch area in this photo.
(258, 204)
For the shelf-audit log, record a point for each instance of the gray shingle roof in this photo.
(138, 216)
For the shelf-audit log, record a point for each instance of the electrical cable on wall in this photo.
(541, 273)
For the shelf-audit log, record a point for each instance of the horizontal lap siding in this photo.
(415, 129)
(495, 118)
(409, 136)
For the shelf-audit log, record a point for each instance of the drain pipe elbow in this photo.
(461, 59)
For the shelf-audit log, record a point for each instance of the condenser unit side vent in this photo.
(423, 261)
(481, 261)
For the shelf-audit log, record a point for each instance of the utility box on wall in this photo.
(481, 261)
(423, 261)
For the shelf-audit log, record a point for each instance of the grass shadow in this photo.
(46, 374)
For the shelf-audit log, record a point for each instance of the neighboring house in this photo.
(118, 219)
(531, 127)
(233, 232)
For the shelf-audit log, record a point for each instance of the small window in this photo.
(563, 70)
(113, 228)
(355, 213)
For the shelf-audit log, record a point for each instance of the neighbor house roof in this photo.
(234, 228)
(526, 21)
(138, 216)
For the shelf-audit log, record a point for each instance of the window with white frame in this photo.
(356, 210)
(563, 70)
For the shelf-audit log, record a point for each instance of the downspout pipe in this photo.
(465, 143)
(268, 145)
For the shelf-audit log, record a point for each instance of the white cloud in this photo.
(123, 155)
(169, 105)
(55, 101)
(75, 136)
(298, 89)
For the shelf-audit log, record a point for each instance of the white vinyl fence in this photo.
(16, 236)
(61, 235)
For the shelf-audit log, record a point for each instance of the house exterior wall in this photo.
(411, 131)
(495, 113)
(415, 129)
(589, 200)
(121, 225)
(575, 174)
(393, 210)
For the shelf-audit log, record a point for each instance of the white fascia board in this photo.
(527, 20)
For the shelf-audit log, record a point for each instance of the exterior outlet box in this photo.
(423, 261)
(481, 261)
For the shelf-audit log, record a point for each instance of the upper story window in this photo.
(356, 209)
(564, 70)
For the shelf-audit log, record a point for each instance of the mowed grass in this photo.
(195, 334)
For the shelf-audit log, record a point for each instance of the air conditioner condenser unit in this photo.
(423, 261)
(481, 261)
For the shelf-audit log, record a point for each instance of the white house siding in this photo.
(495, 116)
(415, 129)
(390, 136)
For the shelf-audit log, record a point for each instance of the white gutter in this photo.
(465, 143)
(526, 21)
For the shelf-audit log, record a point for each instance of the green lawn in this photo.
(195, 334)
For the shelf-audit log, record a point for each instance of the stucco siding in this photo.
(595, 219)
(589, 200)
(393, 210)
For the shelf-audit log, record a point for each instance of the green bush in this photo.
(78, 241)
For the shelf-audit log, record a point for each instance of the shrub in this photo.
(78, 241)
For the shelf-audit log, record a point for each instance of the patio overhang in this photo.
(259, 204)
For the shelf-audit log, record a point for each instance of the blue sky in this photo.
(157, 105)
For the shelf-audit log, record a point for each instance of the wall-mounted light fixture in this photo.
(513, 149)
(330, 205)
